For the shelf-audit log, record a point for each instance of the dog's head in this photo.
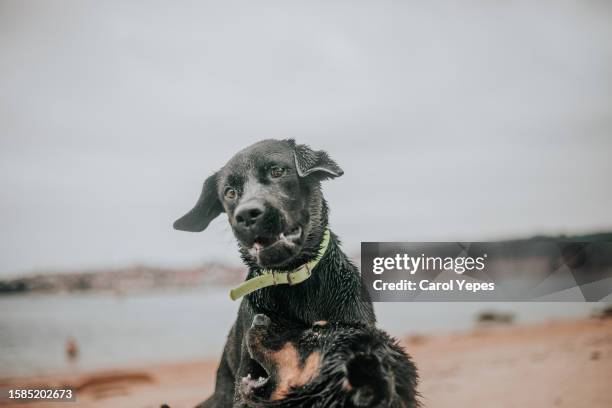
(351, 365)
(272, 196)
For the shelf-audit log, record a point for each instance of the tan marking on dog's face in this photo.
(320, 323)
(290, 373)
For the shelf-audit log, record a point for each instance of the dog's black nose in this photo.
(248, 213)
(260, 320)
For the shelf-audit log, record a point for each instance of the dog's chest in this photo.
(288, 304)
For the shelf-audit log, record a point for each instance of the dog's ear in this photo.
(367, 380)
(206, 209)
(308, 161)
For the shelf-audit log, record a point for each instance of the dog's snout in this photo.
(248, 213)
(260, 320)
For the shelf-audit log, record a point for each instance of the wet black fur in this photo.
(335, 290)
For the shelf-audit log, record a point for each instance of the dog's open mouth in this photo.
(254, 383)
(289, 239)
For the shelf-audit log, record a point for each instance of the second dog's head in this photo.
(324, 365)
(271, 194)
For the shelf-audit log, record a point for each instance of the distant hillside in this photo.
(142, 278)
(137, 278)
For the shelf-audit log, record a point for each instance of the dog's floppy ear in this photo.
(308, 161)
(367, 380)
(206, 209)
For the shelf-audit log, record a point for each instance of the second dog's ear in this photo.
(308, 161)
(206, 209)
(368, 382)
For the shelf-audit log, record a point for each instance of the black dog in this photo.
(272, 196)
(326, 365)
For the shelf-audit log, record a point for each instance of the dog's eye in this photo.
(276, 171)
(230, 193)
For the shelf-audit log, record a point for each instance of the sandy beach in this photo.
(556, 364)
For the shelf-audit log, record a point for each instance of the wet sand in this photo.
(557, 364)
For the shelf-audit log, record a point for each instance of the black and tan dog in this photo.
(332, 365)
(272, 196)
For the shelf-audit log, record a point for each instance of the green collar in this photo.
(269, 277)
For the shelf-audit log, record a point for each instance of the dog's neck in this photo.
(334, 277)
(272, 277)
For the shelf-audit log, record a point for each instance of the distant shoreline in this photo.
(124, 280)
(144, 278)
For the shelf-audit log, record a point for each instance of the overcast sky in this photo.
(452, 120)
